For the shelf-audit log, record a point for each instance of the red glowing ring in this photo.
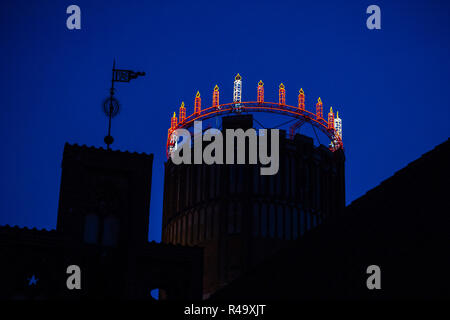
(253, 106)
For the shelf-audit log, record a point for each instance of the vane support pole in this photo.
(111, 106)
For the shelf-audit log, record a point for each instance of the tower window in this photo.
(110, 235)
(183, 231)
(230, 219)
(212, 180)
(232, 181)
(287, 221)
(195, 226)
(308, 221)
(295, 224)
(209, 223)
(201, 232)
(272, 221)
(255, 219)
(264, 220)
(302, 222)
(314, 222)
(280, 221)
(255, 174)
(91, 228)
(238, 217)
(287, 176)
(189, 229)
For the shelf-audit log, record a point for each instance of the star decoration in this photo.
(32, 281)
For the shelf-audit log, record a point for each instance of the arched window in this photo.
(264, 220)
(201, 232)
(173, 233)
(183, 230)
(212, 180)
(232, 181)
(280, 215)
(189, 228)
(272, 184)
(317, 189)
(278, 180)
(308, 221)
(230, 218)
(302, 222)
(238, 217)
(287, 176)
(209, 222)
(272, 221)
(263, 184)
(204, 188)
(178, 189)
(216, 220)
(91, 228)
(255, 222)
(195, 226)
(287, 225)
(295, 223)
(110, 235)
(188, 192)
(218, 180)
(240, 178)
(178, 230)
(255, 173)
(293, 174)
(314, 222)
(198, 183)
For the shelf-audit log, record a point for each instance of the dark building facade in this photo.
(102, 227)
(240, 217)
(402, 226)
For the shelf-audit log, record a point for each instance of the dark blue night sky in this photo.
(391, 86)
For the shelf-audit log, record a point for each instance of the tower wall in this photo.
(105, 196)
(241, 217)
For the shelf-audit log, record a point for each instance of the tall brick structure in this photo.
(102, 227)
(241, 218)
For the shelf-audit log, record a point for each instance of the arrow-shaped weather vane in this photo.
(111, 105)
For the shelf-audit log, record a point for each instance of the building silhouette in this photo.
(216, 244)
(102, 227)
(240, 217)
(402, 226)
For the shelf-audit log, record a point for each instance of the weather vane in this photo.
(111, 105)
